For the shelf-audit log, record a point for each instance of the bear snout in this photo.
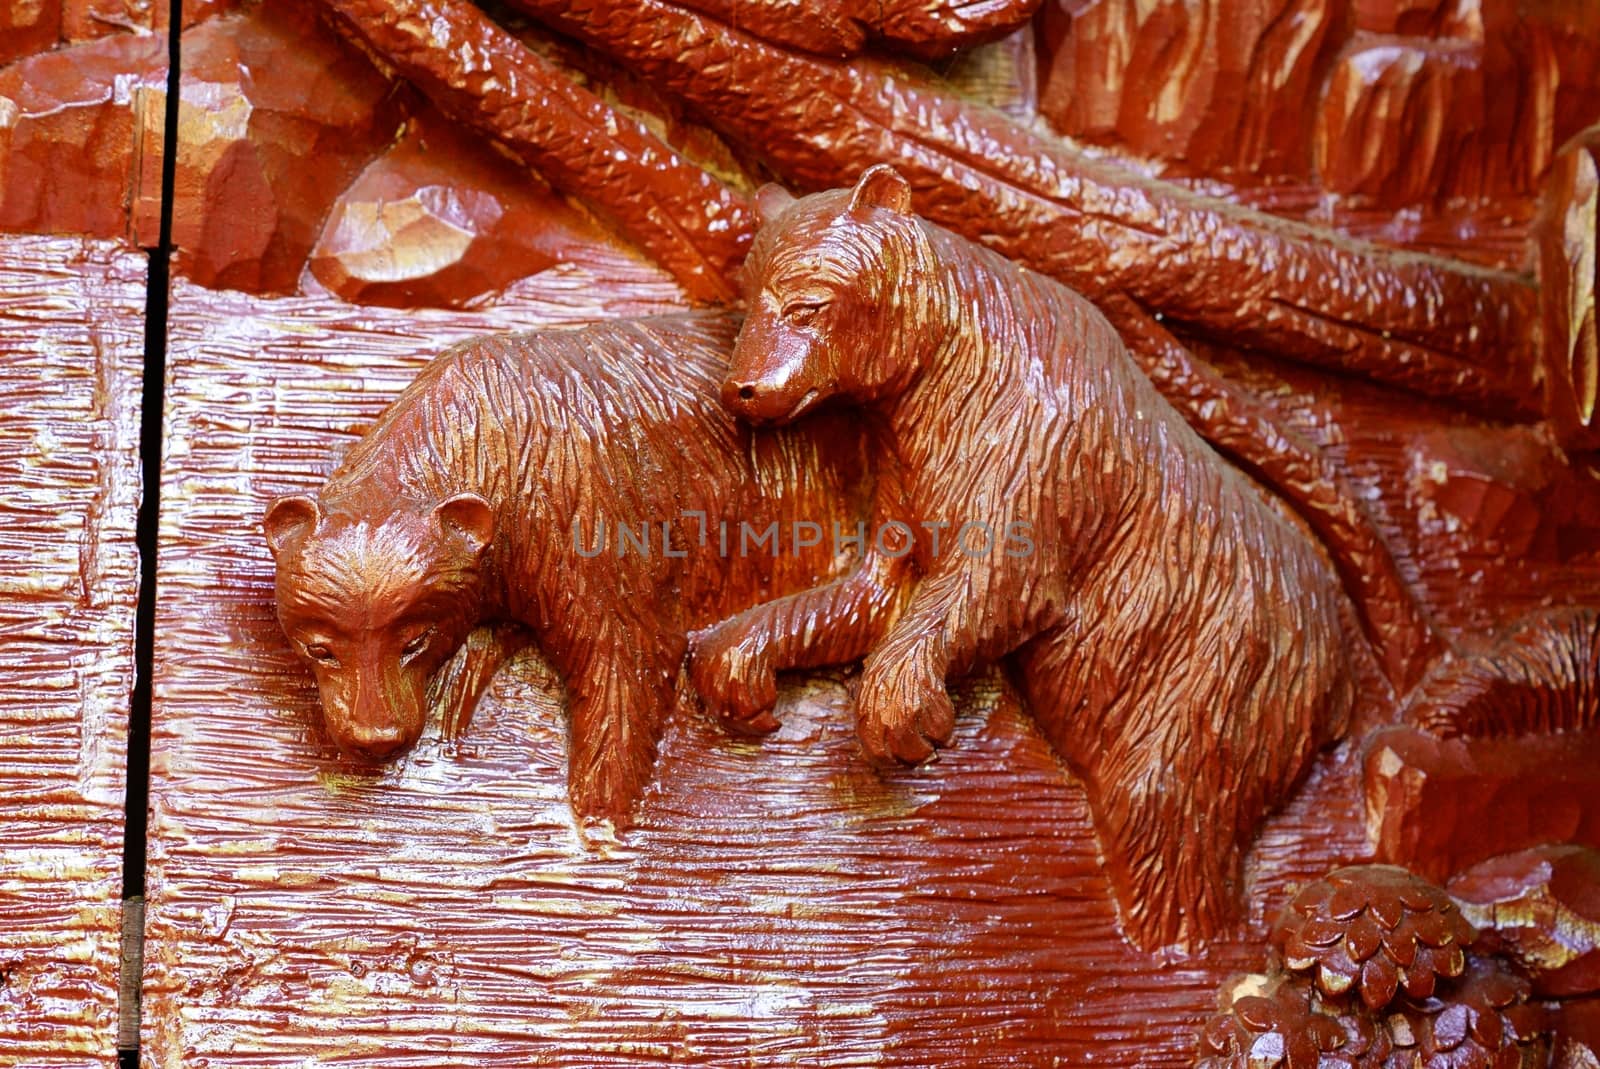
(372, 743)
(748, 399)
(758, 402)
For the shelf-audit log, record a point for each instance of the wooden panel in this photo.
(71, 350)
(779, 903)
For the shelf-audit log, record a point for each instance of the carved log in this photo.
(1437, 327)
(928, 29)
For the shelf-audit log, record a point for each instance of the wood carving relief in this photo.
(572, 489)
(701, 532)
(1177, 638)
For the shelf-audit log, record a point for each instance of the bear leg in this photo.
(904, 709)
(734, 664)
(1173, 864)
(458, 687)
(1159, 799)
(618, 702)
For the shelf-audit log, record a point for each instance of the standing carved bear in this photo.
(1179, 641)
(544, 487)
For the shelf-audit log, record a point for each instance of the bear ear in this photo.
(288, 520)
(468, 517)
(772, 200)
(881, 186)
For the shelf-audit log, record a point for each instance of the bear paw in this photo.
(902, 715)
(733, 673)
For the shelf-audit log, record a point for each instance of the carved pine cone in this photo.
(1483, 1022)
(1288, 1026)
(1375, 929)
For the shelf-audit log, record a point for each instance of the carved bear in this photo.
(543, 487)
(1179, 640)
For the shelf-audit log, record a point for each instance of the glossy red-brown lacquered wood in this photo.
(778, 901)
(71, 346)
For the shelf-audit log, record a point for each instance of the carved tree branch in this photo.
(841, 28)
(692, 224)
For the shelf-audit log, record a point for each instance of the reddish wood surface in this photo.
(779, 902)
(71, 350)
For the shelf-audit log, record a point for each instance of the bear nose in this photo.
(374, 743)
(736, 390)
(743, 397)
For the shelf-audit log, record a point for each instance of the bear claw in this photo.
(735, 679)
(910, 734)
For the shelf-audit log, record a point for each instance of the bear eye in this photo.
(416, 646)
(321, 654)
(804, 312)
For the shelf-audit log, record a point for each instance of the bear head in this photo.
(376, 601)
(834, 310)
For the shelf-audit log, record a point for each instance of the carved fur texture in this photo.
(1178, 640)
(457, 511)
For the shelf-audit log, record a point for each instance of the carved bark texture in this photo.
(441, 220)
(68, 125)
(1569, 280)
(1406, 104)
(928, 29)
(69, 370)
(1214, 87)
(262, 94)
(1541, 677)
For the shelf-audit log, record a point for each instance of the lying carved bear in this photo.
(1178, 639)
(581, 489)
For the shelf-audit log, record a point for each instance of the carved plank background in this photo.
(778, 903)
(71, 352)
